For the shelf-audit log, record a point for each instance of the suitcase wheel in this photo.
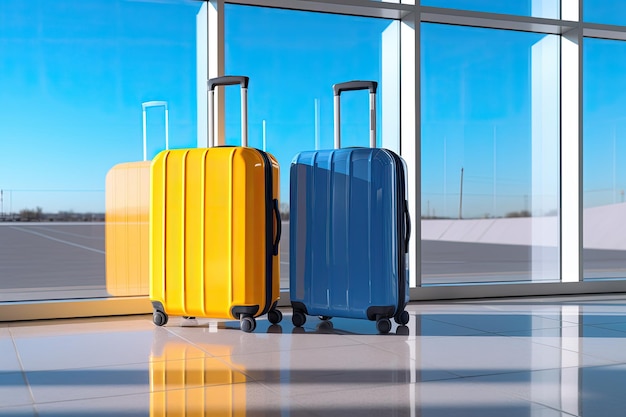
(159, 318)
(298, 319)
(383, 325)
(402, 318)
(275, 316)
(247, 324)
(325, 318)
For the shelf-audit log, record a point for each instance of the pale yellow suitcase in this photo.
(127, 208)
(215, 229)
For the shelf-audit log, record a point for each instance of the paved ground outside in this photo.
(41, 261)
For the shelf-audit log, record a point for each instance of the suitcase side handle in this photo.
(144, 106)
(407, 222)
(279, 227)
(353, 86)
(224, 81)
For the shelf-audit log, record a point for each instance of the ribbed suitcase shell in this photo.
(184, 382)
(127, 206)
(347, 233)
(213, 232)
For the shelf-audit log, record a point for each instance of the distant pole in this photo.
(445, 204)
(317, 124)
(495, 173)
(461, 197)
(264, 136)
(614, 163)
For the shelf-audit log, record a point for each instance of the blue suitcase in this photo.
(349, 230)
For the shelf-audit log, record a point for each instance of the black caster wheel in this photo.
(159, 318)
(383, 325)
(325, 318)
(402, 318)
(298, 319)
(275, 316)
(247, 324)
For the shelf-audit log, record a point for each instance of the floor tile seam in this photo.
(85, 398)
(562, 412)
(378, 346)
(282, 379)
(287, 349)
(191, 342)
(275, 387)
(486, 375)
(495, 373)
(290, 398)
(496, 332)
(234, 368)
(22, 370)
(91, 367)
(195, 386)
(602, 326)
(533, 341)
(458, 325)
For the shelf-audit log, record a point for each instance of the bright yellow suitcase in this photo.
(214, 230)
(185, 382)
(127, 207)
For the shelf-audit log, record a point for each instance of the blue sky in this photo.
(73, 75)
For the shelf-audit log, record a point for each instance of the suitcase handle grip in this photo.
(353, 86)
(225, 81)
(407, 220)
(228, 80)
(279, 227)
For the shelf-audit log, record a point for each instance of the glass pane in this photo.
(604, 170)
(545, 8)
(489, 155)
(73, 77)
(609, 12)
(293, 59)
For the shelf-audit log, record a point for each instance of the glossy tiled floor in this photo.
(538, 357)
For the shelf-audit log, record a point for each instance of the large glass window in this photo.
(490, 165)
(608, 12)
(544, 8)
(293, 59)
(73, 77)
(604, 168)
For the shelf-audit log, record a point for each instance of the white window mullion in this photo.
(571, 10)
(202, 72)
(410, 143)
(214, 61)
(571, 156)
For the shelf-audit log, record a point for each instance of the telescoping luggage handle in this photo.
(144, 106)
(223, 81)
(352, 86)
(243, 82)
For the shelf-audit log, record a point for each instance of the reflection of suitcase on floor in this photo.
(214, 230)
(349, 230)
(127, 206)
(185, 381)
